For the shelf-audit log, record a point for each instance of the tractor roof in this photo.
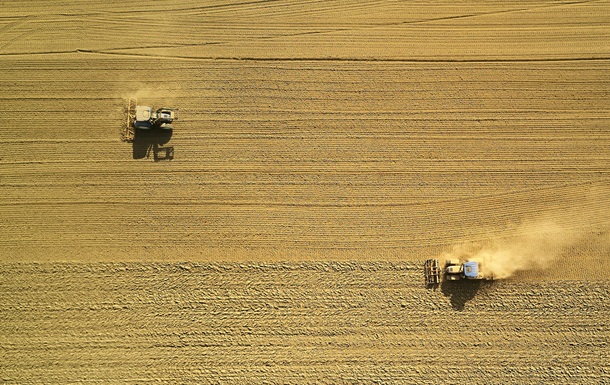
(471, 269)
(143, 113)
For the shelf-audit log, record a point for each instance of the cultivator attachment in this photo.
(432, 272)
(128, 131)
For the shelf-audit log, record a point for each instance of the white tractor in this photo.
(454, 271)
(145, 118)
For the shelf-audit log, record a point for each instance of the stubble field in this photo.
(323, 151)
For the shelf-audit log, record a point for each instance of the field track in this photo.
(323, 150)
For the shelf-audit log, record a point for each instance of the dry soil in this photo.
(323, 150)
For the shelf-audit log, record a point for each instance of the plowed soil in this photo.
(312, 322)
(323, 150)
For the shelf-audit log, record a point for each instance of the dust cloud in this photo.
(534, 244)
(162, 93)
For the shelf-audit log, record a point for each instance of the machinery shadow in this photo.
(432, 286)
(462, 291)
(147, 141)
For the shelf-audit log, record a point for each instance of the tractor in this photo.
(454, 270)
(145, 118)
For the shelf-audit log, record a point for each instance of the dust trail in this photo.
(538, 243)
(149, 93)
(532, 246)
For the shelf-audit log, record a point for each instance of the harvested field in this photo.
(404, 160)
(323, 150)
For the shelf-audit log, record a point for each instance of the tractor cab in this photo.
(471, 270)
(143, 118)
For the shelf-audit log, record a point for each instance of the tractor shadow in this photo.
(462, 291)
(152, 141)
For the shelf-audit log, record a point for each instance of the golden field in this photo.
(323, 150)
